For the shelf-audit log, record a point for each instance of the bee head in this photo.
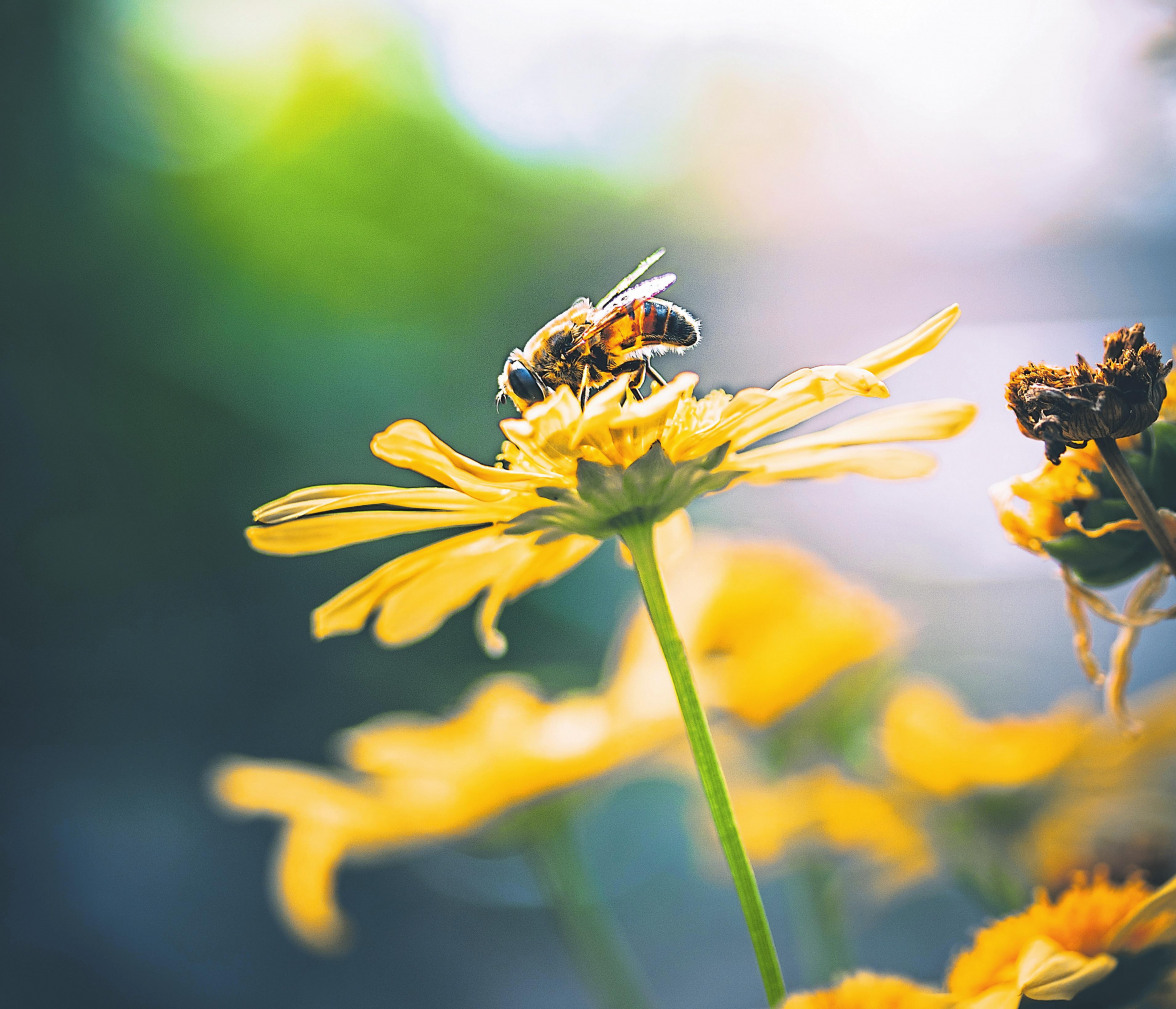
(520, 383)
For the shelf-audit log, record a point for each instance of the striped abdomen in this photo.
(667, 323)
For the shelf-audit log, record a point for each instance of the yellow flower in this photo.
(822, 807)
(569, 476)
(929, 740)
(870, 991)
(1055, 950)
(765, 627)
(413, 781)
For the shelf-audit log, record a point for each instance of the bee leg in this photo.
(637, 381)
(654, 375)
(584, 388)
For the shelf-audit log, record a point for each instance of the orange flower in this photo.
(928, 739)
(870, 991)
(1056, 950)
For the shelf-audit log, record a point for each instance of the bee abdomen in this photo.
(672, 324)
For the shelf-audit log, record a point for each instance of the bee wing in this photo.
(650, 288)
(644, 265)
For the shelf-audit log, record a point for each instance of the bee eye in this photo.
(524, 384)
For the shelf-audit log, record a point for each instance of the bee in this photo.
(589, 345)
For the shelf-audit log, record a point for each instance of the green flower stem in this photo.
(639, 539)
(587, 928)
(815, 895)
(1136, 496)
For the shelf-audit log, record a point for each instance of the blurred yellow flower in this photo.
(410, 781)
(569, 476)
(870, 991)
(1056, 950)
(765, 627)
(1116, 801)
(822, 807)
(928, 739)
(413, 781)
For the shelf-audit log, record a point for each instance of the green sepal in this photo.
(1110, 559)
(607, 499)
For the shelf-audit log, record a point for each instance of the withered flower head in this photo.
(1066, 407)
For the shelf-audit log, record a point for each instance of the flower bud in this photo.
(1066, 407)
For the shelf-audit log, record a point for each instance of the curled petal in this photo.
(895, 356)
(332, 497)
(410, 445)
(1048, 972)
(327, 532)
(325, 817)
(782, 462)
(755, 414)
(415, 593)
(928, 421)
(542, 564)
(658, 405)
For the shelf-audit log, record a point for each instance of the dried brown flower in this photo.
(1066, 407)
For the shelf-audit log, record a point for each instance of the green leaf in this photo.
(1110, 559)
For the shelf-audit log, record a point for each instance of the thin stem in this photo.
(587, 928)
(639, 540)
(816, 897)
(1136, 496)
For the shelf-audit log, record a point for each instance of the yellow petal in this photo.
(927, 738)
(822, 806)
(328, 532)
(325, 818)
(410, 445)
(1001, 997)
(895, 356)
(415, 593)
(926, 421)
(350, 609)
(1047, 972)
(331, 497)
(870, 991)
(507, 566)
(765, 626)
(534, 568)
(600, 409)
(303, 883)
(781, 462)
(542, 564)
(755, 414)
(1160, 905)
(653, 410)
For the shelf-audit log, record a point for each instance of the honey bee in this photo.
(589, 345)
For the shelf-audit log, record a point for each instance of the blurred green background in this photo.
(233, 253)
